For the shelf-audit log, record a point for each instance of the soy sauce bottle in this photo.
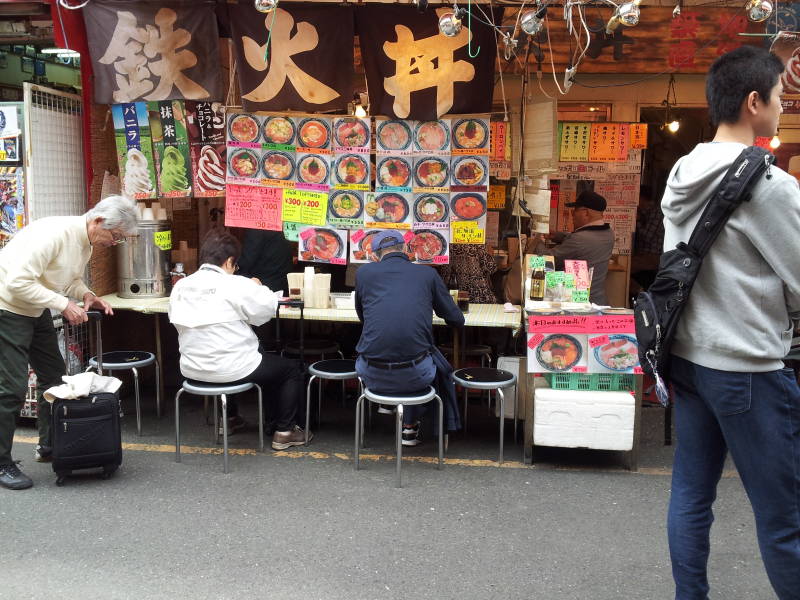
(452, 284)
(537, 285)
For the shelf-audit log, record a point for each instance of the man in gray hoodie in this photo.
(730, 389)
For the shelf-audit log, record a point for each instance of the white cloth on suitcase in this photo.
(81, 385)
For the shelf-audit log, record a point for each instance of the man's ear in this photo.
(751, 102)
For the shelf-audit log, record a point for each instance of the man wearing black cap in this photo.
(592, 240)
(395, 300)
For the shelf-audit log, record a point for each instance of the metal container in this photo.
(143, 262)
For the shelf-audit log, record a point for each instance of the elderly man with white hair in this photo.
(42, 268)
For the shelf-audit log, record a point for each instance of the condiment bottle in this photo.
(452, 284)
(538, 285)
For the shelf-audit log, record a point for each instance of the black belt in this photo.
(391, 366)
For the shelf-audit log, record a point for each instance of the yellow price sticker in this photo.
(497, 196)
(467, 232)
(3, 155)
(163, 239)
(305, 206)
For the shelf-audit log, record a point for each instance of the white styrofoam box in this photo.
(575, 419)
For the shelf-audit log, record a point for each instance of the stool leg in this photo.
(260, 419)
(224, 401)
(399, 442)
(466, 399)
(158, 390)
(308, 404)
(216, 422)
(361, 393)
(178, 425)
(514, 391)
(356, 451)
(319, 403)
(502, 397)
(441, 431)
(135, 372)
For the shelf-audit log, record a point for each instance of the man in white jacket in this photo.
(42, 268)
(213, 310)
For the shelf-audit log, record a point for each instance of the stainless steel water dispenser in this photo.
(143, 262)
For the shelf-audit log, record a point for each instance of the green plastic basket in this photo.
(599, 382)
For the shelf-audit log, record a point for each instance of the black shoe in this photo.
(235, 424)
(14, 479)
(43, 453)
(411, 435)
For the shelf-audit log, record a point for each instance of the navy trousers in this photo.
(399, 381)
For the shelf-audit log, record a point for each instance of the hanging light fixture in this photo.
(450, 23)
(670, 124)
(758, 10)
(627, 14)
(532, 21)
(266, 6)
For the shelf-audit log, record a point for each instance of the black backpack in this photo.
(658, 310)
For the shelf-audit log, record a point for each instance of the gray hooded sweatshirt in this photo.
(738, 317)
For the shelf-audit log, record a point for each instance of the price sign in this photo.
(599, 340)
(553, 278)
(467, 232)
(3, 155)
(582, 369)
(292, 208)
(535, 340)
(497, 196)
(357, 236)
(290, 230)
(569, 281)
(638, 371)
(580, 296)
(253, 207)
(536, 262)
(163, 239)
(305, 206)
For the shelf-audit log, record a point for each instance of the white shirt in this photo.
(212, 312)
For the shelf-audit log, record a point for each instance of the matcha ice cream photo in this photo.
(173, 171)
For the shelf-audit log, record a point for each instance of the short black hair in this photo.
(218, 246)
(734, 75)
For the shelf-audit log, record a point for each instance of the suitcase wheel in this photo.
(60, 479)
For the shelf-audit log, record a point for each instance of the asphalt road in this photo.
(305, 525)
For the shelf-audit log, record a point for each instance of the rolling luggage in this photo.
(86, 431)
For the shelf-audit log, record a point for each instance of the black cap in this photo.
(589, 200)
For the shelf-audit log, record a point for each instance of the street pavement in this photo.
(304, 524)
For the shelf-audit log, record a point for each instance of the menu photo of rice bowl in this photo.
(432, 136)
(314, 133)
(427, 245)
(351, 132)
(322, 245)
(361, 245)
(243, 128)
(469, 171)
(468, 206)
(278, 165)
(469, 134)
(393, 135)
(278, 130)
(313, 168)
(352, 169)
(431, 208)
(431, 173)
(244, 163)
(560, 352)
(394, 171)
(387, 208)
(619, 354)
(345, 204)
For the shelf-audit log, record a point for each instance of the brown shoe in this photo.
(282, 440)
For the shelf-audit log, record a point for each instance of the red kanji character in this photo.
(729, 28)
(684, 25)
(681, 54)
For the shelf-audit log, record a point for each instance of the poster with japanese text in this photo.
(613, 353)
(322, 244)
(253, 207)
(574, 142)
(205, 124)
(170, 148)
(134, 146)
(608, 142)
(12, 199)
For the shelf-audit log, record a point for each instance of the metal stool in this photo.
(334, 369)
(222, 390)
(313, 347)
(397, 400)
(472, 350)
(131, 361)
(479, 378)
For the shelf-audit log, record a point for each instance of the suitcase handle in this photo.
(94, 314)
(97, 317)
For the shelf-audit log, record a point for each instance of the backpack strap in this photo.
(734, 189)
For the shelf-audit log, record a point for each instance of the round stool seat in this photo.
(337, 368)
(122, 359)
(312, 346)
(479, 378)
(469, 349)
(215, 389)
(419, 397)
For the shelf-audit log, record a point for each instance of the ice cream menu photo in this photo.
(134, 150)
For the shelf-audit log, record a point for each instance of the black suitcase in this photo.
(86, 431)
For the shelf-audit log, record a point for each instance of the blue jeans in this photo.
(757, 417)
(399, 381)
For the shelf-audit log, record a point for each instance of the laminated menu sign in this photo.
(431, 211)
(361, 245)
(467, 232)
(469, 173)
(244, 155)
(560, 352)
(638, 133)
(351, 172)
(608, 142)
(388, 210)
(579, 269)
(470, 136)
(205, 124)
(291, 230)
(613, 353)
(351, 135)
(253, 207)
(346, 209)
(497, 197)
(171, 148)
(394, 173)
(574, 142)
(304, 206)
(394, 137)
(134, 150)
(428, 246)
(432, 137)
(322, 244)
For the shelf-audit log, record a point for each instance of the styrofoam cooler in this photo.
(576, 419)
(512, 365)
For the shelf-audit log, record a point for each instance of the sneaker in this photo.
(385, 410)
(43, 453)
(411, 435)
(296, 437)
(14, 479)
(235, 424)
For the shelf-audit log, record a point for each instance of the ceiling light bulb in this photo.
(266, 6)
(629, 13)
(673, 126)
(775, 142)
(758, 10)
(530, 23)
(450, 25)
(360, 112)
